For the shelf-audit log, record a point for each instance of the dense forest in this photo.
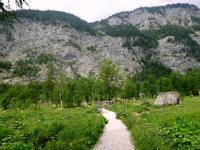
(56, 18)
(108, 85)
(161, 9)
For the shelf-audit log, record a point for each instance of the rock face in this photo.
(168, 98)
(153, 17)
(172, 55)
(80, 51)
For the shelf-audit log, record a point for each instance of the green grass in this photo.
(163, 128)
(49, 128)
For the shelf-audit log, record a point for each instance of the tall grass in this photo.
(163, 128)
(50, 128)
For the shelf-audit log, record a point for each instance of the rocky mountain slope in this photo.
(76, 48)
(155, 17)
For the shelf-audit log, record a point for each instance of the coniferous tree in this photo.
(6, 16)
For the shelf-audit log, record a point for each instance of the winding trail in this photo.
(115, 136)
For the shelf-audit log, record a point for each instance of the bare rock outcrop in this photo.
(168, 98)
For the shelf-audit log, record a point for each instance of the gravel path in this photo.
(115, 136)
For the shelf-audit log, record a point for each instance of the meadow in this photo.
(50, 127)
(162, 128)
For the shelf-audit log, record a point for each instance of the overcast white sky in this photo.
(93, 10)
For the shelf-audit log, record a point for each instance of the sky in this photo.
(94, 10)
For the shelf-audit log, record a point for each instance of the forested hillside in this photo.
(56, 18)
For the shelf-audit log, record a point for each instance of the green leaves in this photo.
(50, 128)
(109, 73)
(182, 133)
(174, 128)
(21, 96)
(6, 16)
(122, 31)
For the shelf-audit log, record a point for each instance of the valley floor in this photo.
(151, 127)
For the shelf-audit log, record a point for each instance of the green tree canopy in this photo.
(5, 11)
(109, 73)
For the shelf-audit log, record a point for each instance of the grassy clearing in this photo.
(50, 128)
(170, 127)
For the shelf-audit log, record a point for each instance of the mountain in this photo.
(55, 17)
(154, 17)
(75, 47)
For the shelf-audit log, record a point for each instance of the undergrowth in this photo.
(50, 128)
(169, 127)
